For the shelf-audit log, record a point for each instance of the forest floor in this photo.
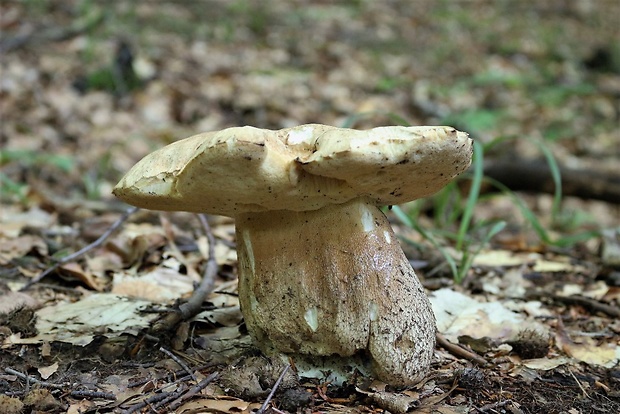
(88, 88)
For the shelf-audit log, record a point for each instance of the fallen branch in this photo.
(520, 174)
(273, 391)
(33, 380)
(590, 304)
(193, 306)
(459, 351)
(93, 394)
(84, 250)
(493, 406)
(168, 375)
(163, 396)
(193, 391)
(178, 361)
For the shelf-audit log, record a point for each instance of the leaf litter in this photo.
(527, 332)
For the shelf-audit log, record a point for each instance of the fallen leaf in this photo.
(549, 266)
(222, 316)
(503, 258)
(459, 315)
(12, 300)
(220, 405)
(545, 364)
(80, 407)
(160, 285)
(48, 371)
(78, 323)
(13, 248)
(14, 220)
(392, 401)
(587, 350)
(74, 270)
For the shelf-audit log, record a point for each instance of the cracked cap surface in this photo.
(246, 169)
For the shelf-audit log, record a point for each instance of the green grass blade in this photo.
(555, 174)
(474, 191)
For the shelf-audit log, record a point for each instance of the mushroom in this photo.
(321, 272)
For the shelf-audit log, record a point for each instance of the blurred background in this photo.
(89, 87)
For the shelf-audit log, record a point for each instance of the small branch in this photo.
(193, 306)
(33, 380)
(193, 391)
(93, 394)
(172, 397)
(151, 400)
(84, 250)
(460, 351)
(585, 393)
(273, 390)
(489, 407)
(178, 361)
(588, 303)
(534, 175)
(167, 375)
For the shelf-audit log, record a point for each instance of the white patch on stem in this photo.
(367, 220)
(373, 312)
(388, 239)
(312, 318)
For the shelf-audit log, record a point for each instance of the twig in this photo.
(168, 375)
(153, 399)
(193, 305)
(178, 361)
(172, 397)
(263, 407)
(93, 394)
(489, 407)
(585, 393)
(33, 380)
(587, 303)
(460, 351)
(193, 391)
(83, 250)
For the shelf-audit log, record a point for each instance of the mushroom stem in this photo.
(334, 281)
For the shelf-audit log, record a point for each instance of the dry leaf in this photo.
(553, 266)
(394, 402)
(587, 350)
(13, 248)
(74, 270)
(545, 364)
(48, 371)
(14, 220)
(13, 300)
(78, 323)
(160, 285)
(459, 315)
(503, 258)
(222, 405)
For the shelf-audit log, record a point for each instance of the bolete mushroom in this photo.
(320, 269)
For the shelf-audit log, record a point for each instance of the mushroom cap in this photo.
(246, 169)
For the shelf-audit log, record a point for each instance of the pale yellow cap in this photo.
(246, 169)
